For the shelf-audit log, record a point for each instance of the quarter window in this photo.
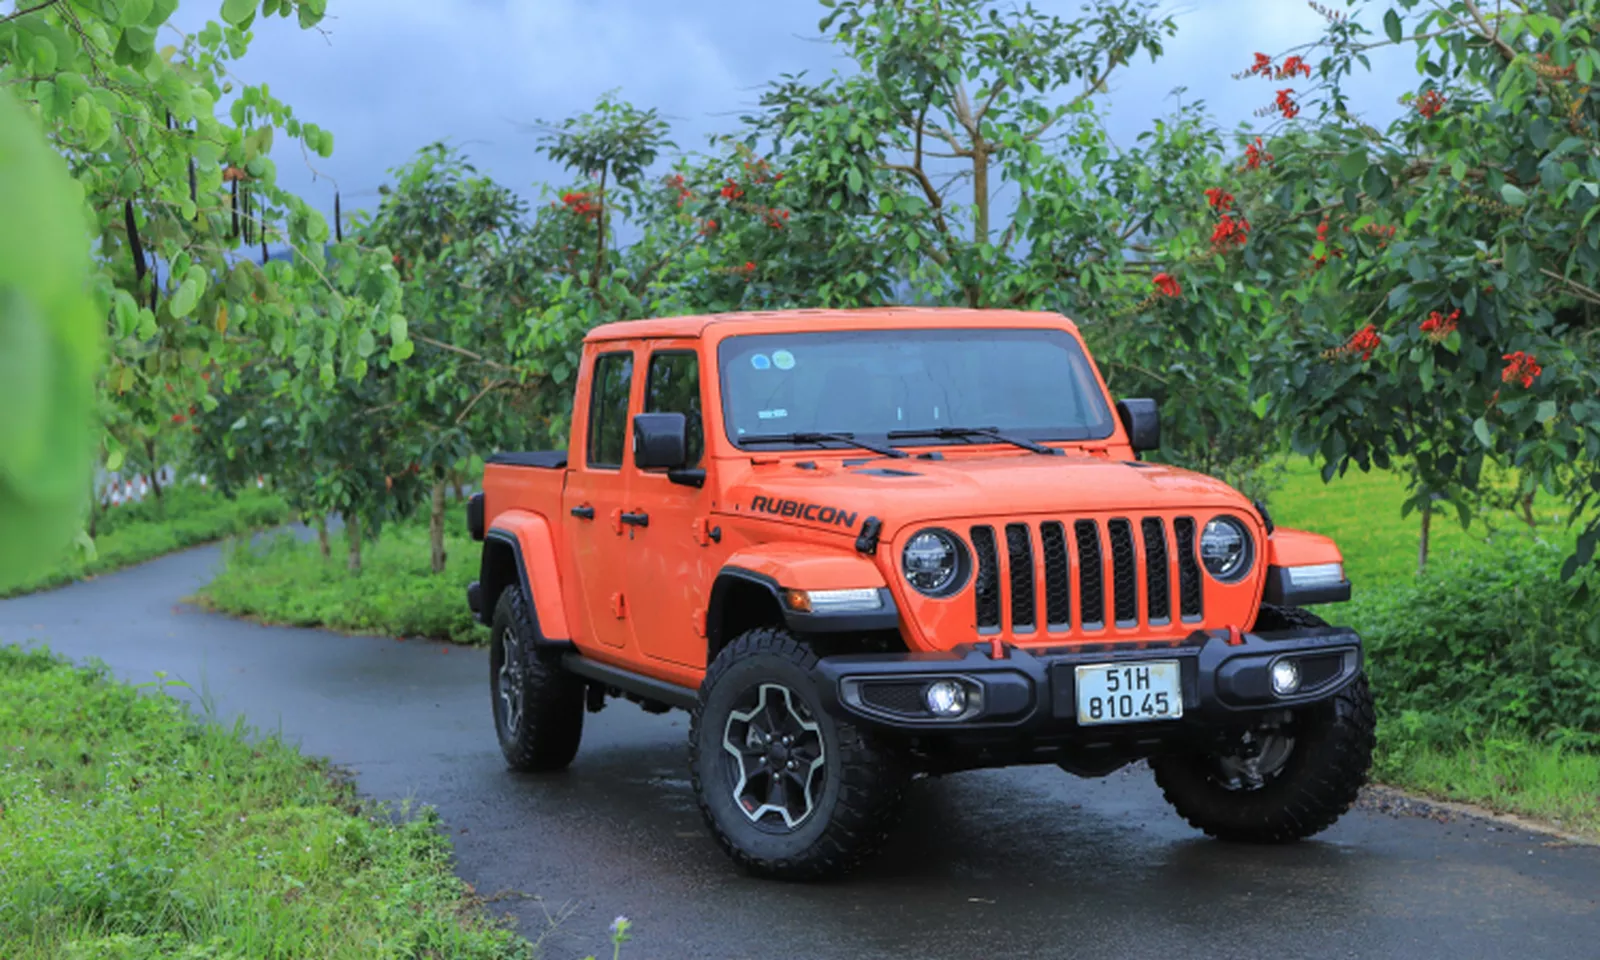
(673, 386)
(608, 409)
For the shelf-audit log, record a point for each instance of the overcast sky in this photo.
(389, 76)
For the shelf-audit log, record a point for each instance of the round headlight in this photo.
(1225, 549)
(934, 562)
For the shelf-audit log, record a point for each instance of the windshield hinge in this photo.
(867, 542)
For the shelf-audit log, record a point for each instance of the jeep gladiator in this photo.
(859, 546)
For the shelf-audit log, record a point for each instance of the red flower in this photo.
(1219, 198)
(178, 418)
(1438, 326)
(1286, 104)
(1292, 66)
(1254, 154)
(1166, 285)
(1430, 103)
(732, 191)
(775, 218)
(1364, 342)
(708, 226)
(1230, 232)
(1263, 66)
(1521, 368)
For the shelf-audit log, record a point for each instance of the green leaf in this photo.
(1547, 411)
(397, 328)
(1391, 25)
(237, 12)
(1513, 195)
(366, 343)
(402, 350)
(1480, 427)
(183, 302)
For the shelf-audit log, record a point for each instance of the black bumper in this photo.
(1035, 693)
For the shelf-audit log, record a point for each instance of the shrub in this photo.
(1489, 642)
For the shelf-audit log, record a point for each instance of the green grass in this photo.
(129, 830)
(133, 533)
(1506, 774)
(287, 581)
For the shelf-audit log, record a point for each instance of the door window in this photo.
(608, 410)
(673, 386)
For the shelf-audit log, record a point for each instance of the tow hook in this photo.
(997, 650)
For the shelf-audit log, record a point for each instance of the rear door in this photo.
(669, 565)
(596, 491)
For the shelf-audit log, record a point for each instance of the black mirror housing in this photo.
(1142, 419)
(660, 441)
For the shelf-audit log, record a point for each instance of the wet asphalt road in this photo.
(1015, 863)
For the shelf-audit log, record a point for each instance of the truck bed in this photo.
(530, 480)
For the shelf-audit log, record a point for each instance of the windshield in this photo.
(1033, 383)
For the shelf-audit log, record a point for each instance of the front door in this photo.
(596, 495)
(669, 564)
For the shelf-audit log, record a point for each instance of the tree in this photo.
(179, 197)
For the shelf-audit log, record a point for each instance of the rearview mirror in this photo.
(1142, 419)
(660, 441)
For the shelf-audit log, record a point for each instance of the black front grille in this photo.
(904, 698)
(1124, 573)
(1019, 554)
(1157, 590)
(1188, 569)
(1057, 577)
(1091, 575)
(1011, 602)
(986, 586)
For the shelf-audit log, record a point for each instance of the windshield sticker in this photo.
(777, 414)
(783, 359)
(760, 361)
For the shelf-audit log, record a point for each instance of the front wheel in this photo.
(789, 791)
(1279, 784)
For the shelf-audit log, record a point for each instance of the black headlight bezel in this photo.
(963, 565)
(1249, 561)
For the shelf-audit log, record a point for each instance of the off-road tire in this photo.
(864, 778)
(1318, 784)
(545, 737)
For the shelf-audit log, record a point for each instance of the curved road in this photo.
(1015, 863)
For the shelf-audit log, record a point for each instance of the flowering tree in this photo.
(1434, 283)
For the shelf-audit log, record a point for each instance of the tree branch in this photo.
(27, 10)
(934, 199)
(491, 386)
(480, 358)
(1589, 294)
(1492, 34)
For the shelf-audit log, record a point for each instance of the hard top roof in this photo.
(694, 326)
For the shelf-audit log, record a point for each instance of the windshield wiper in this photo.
(967, 433)
(812, 436)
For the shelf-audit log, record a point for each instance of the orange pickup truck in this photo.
(863, 545)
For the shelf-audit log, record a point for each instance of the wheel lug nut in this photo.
(791, 764)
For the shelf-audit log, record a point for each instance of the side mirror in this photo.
(1142, 420)
(660, 441)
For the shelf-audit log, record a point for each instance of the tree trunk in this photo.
(1422, 542)
(155, 472)
(436, 527)
(1527, 511)
(980, 191)
(322, 537)
(352, 532)
(600, 243)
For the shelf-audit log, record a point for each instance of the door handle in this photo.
(640, 519)
(583, 513)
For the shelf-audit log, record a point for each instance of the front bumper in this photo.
(1033, 693)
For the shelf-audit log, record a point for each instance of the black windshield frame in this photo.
(1089, 393)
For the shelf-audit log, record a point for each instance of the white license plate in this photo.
(1129, 692)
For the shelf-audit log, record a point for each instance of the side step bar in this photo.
(627, 681)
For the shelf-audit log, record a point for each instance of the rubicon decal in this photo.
(815, 512)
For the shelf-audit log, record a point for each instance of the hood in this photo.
(900, 492)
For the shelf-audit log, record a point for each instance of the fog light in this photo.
(946, 698)
(1285, 677)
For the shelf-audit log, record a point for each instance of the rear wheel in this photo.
(538, 705)
(789, 791)
(1283, 782)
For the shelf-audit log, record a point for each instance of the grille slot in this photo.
(1189, 605)
(1019, 553)
(1091, 575)
(986, 586)
(1124, 574)
(1057, 577)
(1158, 589)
